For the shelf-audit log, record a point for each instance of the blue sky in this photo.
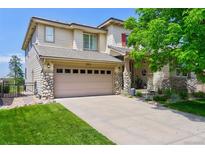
(14, 22)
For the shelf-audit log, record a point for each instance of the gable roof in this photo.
(111, 21)
(35, 20)
(121, 50)
(72, 54)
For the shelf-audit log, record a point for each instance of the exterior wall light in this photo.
(48, 65)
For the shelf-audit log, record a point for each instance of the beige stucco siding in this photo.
(33, 67)
(62, 37)
(115, 34)
(102, 42)
(78, 39)
(159, 76)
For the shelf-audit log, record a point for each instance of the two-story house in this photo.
(69, 59)
(66, 60)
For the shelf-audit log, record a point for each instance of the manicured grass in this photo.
(196, 107)
(46, 124)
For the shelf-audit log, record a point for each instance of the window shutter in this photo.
(123, 39)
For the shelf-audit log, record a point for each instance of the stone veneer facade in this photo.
(47, 86)
(126, 81)
(117, 83)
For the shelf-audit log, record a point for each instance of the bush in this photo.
(174, 98)
(159, 91)
(167, 93)
(139, 94)
(6, 89)
(183, 95)
(158, 98)
(199, 94)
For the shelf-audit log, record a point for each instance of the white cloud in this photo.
(6, 58)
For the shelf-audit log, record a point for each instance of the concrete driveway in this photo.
(130, 121)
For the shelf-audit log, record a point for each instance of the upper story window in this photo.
(90, 42)
(124, 39)
(49, 34)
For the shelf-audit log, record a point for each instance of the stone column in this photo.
(117, 80)
(126, 75)
(161, 78)
(150, 81)
(47, 77)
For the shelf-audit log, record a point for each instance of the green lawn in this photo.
(46, 124)
(196, 107)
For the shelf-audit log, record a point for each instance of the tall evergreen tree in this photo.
(15, 67)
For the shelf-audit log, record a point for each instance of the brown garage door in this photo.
(71, 82)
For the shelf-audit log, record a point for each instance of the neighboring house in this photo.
(67, 60)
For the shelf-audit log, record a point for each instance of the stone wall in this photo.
(117, 83)
(47, 85)
(178, 83)
(126, 81)
(161, 78)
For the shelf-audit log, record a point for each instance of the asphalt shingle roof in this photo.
(58, 52)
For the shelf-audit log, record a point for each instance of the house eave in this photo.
(80, 60)
(36, 20)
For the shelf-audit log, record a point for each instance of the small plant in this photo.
(158, 98)
(174, 98)
(199, 94)
(159, 91)
(183, 95)
(139, 94)
(6, 89)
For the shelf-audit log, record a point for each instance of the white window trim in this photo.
(89, 44)
(45, 39)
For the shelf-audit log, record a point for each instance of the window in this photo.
(102, 72)
(67, 71)
(96, 72)
(90, 71)
(82, 71)
(90, 42)
(75, 71)
(59, 70)
(108, 72)
(49, 34)
(124, 39)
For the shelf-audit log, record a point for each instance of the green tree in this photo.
(169, 36)
(15, 68)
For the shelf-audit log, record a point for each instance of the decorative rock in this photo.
(117, 82)
(47, 87)
(127, 81)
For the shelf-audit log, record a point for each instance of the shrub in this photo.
(6, 89)
(158, 98)
(199, 94)
(174, 98)
(167, 93)
(183, 95)
(139, 94)
(159, 91)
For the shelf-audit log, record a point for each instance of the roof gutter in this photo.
(81, 60)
